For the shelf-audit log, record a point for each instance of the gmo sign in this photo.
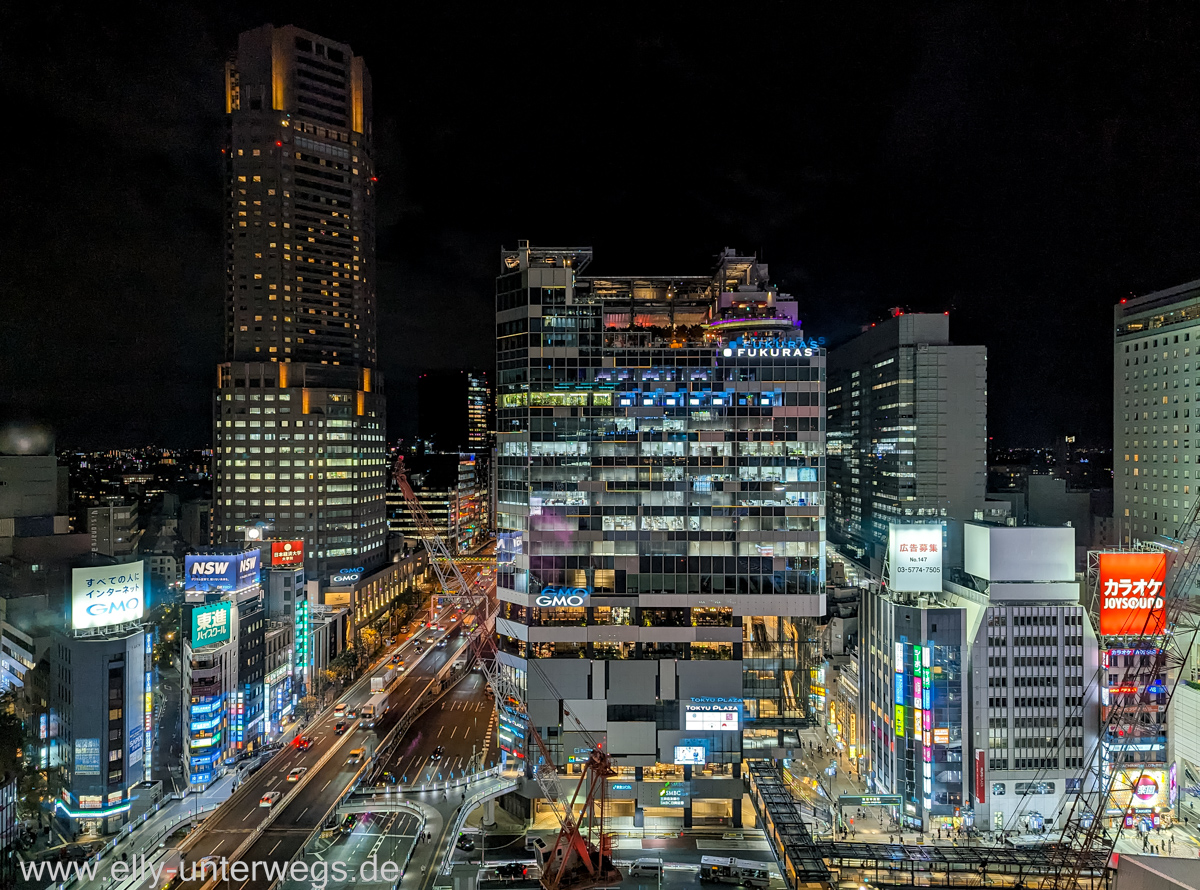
(562, 596)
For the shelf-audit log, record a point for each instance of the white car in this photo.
(294, 775)
(270, 798)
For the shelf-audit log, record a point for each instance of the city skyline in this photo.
(980, 183)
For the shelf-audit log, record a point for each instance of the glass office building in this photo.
(661, 520)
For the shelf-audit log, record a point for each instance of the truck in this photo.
(382, 681)
(374, 709)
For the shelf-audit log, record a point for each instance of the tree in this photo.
(370, 639)
(12, 735)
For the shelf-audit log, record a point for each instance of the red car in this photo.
(303, 742)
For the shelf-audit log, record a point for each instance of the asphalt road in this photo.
(381, 837)
(297, 818)
(459, 723)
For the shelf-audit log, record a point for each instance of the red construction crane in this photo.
(579, 858)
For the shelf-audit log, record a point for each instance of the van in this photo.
(647, 868)
(356, 755)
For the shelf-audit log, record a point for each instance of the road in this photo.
(459, 723)
(297, 817)
(378, 837)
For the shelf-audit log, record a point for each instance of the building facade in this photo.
(453, 491)
(660, 484)
(299, 414)
(907, 431)
(114, 531)
(98, 690)
(1153, 381)
(1035, 701)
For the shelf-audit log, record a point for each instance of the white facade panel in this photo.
(1004, 553)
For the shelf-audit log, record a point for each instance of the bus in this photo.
(720, 870)
(374, 709)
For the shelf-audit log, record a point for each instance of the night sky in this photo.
(1019, 165)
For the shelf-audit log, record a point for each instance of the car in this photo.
(294, 775)
(356, 755)
(400, 665)
(270, 798)
(209, 864)
(437, 753)
(464, 843)
(352, 713)
(304, 742)
(349, 822)
(340, 727)
(339, 710)
(441, 644)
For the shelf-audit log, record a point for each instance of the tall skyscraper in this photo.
(454, 410)
(1153, 380)
(907, 432)
(660, 475)
(300, 411)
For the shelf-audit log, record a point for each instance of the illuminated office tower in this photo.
(660, 521)
(300, 411)
(907, 432)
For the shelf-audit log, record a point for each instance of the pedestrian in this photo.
(891, 838)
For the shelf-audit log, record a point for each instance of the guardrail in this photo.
(460, 819)
(129, 830)
(444, 785)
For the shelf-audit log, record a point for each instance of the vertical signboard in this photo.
(980, 775)
(1132, 593)
(87, 757)
(915, 557)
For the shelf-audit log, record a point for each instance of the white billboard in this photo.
(102, 596)
(1019, 553)
(915, 557)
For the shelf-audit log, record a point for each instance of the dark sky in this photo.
(1019, 164)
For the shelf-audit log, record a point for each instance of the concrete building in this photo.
(1153, 382)
(907, 432)
(113, 529)
(377, 599)
(913, 685)
(660, 479)
(452, 490)
(98, 689)
(454, 410)
(300, 412)
(1035, 658)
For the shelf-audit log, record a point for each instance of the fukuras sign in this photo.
(782, 347)
(1131, 593)
(562, 596)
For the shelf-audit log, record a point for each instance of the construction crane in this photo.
(578, 860)
(1168, 645)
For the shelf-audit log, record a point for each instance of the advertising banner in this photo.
(220, 571)
(980, 776)
(87, 757)
(287, 553)
(1131, 593)
(915, 557)
(107, 595)
(210, 624)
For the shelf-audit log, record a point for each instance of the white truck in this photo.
(382, 681)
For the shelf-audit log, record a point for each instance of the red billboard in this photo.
(980, 775)
(287, 553)
(1132, 590)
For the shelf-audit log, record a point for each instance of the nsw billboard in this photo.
(103, 596)
(220, 571)
(1132, 593)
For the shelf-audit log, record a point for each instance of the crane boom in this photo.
(577, 861)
